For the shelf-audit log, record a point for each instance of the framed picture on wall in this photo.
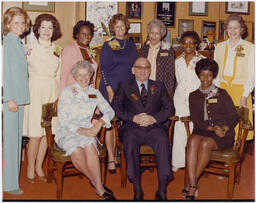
(241, 7)
(185, 25)
(165, 11)
(39, 6)
(135, 28)
(97, 13)
(222, 33)
(209, 30)
(136, 38)
(198, 9)
(134, 9)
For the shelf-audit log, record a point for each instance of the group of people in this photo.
(143, 92)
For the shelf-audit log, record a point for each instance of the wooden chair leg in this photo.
(237, 172)
(59, 167)
(231, 180)
(123, 171)
(50, 171)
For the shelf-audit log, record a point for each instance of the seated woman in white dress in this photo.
(75, 133)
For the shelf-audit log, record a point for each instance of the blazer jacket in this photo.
(220, 108)
(70, 55)
(15, 80)
(165, 67)
(127, 103)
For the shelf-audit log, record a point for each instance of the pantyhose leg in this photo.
(33, 146)
(41, 156)
(110, 144)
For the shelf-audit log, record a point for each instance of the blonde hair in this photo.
(9, 15)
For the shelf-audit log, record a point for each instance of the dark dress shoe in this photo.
(108, 196)
(105, 187)
(138, 196)
(160, 196)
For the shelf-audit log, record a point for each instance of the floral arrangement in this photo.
(74, 91)
(57, 50)
(212, 93)
(28, 51)
(91, 52)
(114, 44)
(153, 89)
(239, 50)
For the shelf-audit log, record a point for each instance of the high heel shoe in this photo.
(42, 178)
(31, 180)
(112, 171)
(105, 187)
(192, 197)
(108, 196)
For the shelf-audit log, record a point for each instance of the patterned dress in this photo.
(75, 109)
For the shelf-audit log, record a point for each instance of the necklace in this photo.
(124, 44)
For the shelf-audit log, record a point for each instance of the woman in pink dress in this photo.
(79, 50)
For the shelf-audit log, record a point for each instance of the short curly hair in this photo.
(47, 17)
(192, 34)
(207, 64)
(9, 15)
(159, 23)
(113, 20)
(79, 24)
(240, 20)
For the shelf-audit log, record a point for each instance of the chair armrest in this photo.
(185, 119)
(247, 125)
(46, 124)
(173, 118)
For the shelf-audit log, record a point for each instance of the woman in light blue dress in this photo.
(75, 133)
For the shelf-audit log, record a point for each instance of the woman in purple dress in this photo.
(117, 57)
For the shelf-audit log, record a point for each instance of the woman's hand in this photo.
(93, 131)
(220, 131)
(110, 93)
(12, 106)
(243, 102)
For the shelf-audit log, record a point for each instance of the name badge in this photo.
(92, 96)
(164, 54)
(212, 101)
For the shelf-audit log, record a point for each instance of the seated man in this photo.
(144, 105)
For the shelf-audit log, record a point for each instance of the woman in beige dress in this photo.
(43, 66)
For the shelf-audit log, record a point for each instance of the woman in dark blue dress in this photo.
(117, 57)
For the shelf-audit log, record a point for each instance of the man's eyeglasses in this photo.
(147, 68)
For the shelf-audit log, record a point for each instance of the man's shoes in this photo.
(160, 196)
(138, 196)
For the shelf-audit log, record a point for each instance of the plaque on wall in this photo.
(165, 11)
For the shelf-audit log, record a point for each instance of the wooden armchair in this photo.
(227, 162)
(57, 160)
(147, 153)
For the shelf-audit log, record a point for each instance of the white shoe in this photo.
(174, 169)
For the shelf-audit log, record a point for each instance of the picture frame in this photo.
(165, 11)
(209, 30)
(136, 38)
(97, 13)
(135, 27)
(198, 8)
(185, 25)
(134, 10)
(241, 7)
(222, 33)
(42, 6)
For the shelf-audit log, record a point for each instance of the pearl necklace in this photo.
(82, 47)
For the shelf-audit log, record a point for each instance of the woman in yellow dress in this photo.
(44, 74)
(235, 58)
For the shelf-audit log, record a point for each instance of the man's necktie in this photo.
(143, 94)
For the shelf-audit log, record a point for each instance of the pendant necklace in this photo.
(123, 45)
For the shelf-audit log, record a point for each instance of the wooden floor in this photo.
(211, 186)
